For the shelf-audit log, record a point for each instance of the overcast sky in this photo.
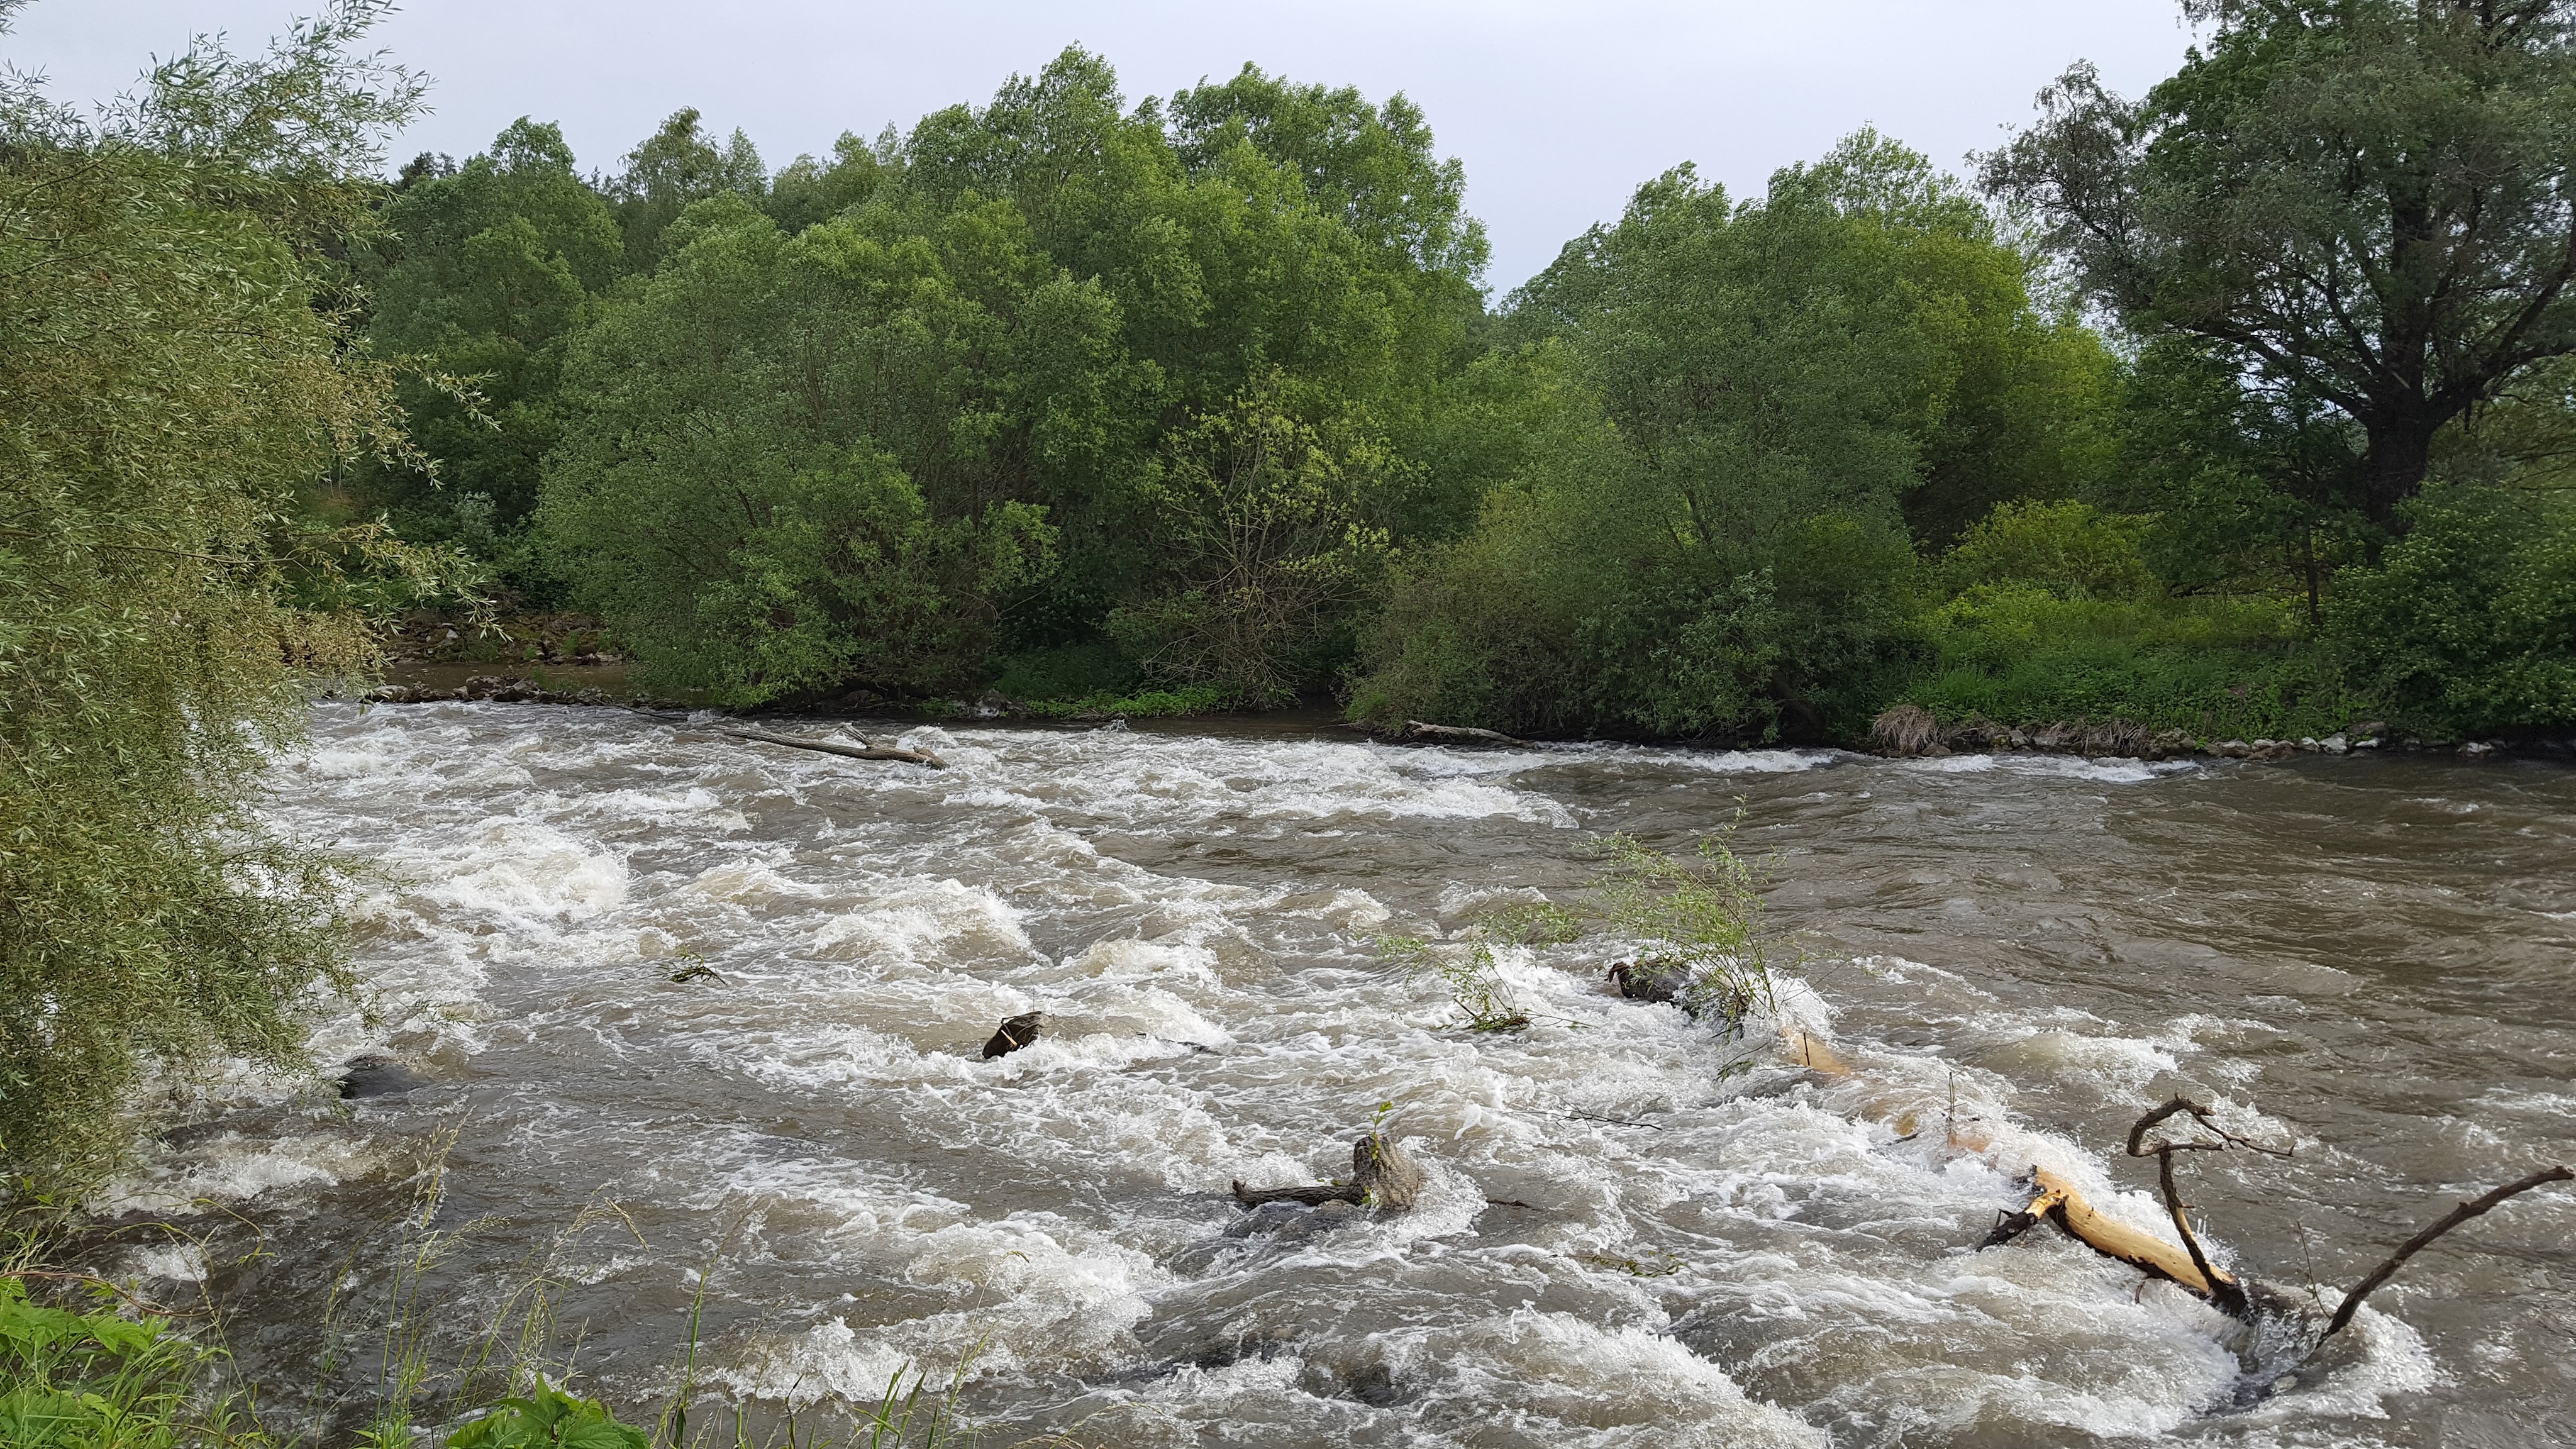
(1558, 109)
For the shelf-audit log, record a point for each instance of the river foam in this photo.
(1638, 1231)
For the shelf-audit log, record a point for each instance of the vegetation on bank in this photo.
(1204, 395)
(181, 397)
(2245, 408)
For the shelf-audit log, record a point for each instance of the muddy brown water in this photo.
(2376, 957)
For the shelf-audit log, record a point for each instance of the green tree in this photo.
(806, 191)
(1720, 552)
(2365, 203)
(480, 277)
(782, 473)
(1267, 552)
(676, 165)
(179, 377)
(2024, 402)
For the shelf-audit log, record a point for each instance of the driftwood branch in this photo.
(2475, 1207)
(860, 751)
(1415, 729)
(2060, 1203)
(2223, 1290)
(2057, 1201)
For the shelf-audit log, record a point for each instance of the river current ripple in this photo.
(2370, 955)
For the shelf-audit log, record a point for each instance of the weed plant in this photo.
(1696, 919)
(1475, 981)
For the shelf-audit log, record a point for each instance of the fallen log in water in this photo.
(2184, 1264)
(1415, 729)
(861, 751)
(1382, 1174)
(2059, 1203)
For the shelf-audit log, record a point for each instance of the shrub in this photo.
(2068, 548)
(547, 1418)
(2469, 622)
(95, 1380)
(2216, 668)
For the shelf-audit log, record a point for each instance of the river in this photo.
(1620, 1244)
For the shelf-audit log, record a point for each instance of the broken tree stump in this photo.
(1017, 1032)
(1382, 1174)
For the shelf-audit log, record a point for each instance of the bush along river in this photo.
(673, 1056)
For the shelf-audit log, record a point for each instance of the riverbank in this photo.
(1903, 733)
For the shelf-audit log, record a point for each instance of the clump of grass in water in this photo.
(1699, 921)
(1476, 985)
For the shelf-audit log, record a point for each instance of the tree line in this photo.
(1062, 395)
(2241, 407)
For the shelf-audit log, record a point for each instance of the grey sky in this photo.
(1558, 109)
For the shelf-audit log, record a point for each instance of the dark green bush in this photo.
(2469, 622)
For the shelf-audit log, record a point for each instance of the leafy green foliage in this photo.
(1484, 1000)
(548, 1418)
(1144, 704)
(671, 169)
(1700, 918)
(1267, 553)
(179, 385)
(2214, 669)
(1139, 373)
(91, 1380)
(1707, 537)
(2069, 548)
(2469, 623)
(2356, 204)
(479, 279)
(2048, 612)
(726, 499)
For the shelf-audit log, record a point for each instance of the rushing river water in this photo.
(2374, 956)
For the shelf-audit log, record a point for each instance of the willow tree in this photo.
(176, 380)
(2365, 204)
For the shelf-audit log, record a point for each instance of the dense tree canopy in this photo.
(2363, 205)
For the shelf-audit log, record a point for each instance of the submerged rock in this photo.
(1649, 980)
(378, 1076)
(1017, 1032)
